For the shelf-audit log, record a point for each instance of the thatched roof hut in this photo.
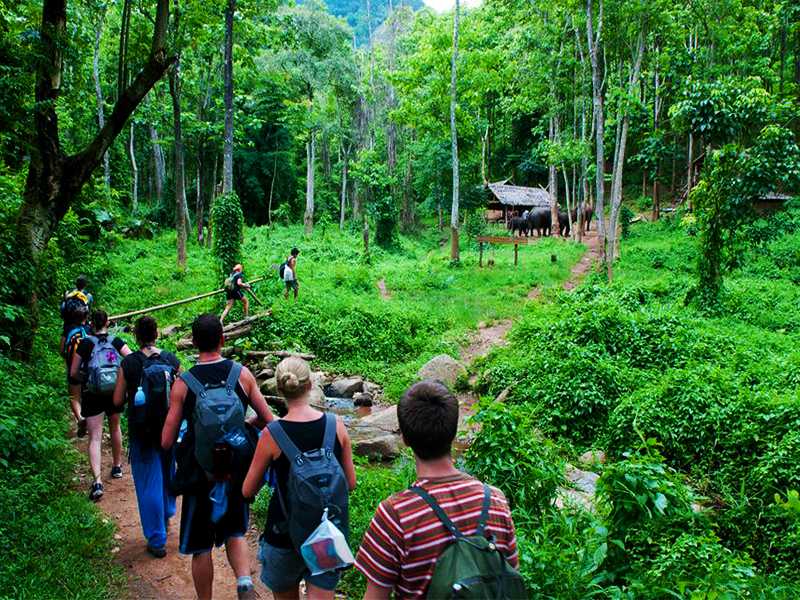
(515, 198)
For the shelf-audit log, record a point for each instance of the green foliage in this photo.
(228, 223)
(625, 217)
(513, 456)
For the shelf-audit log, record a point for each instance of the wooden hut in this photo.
(506, 200)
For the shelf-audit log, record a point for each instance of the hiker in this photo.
(409, 545)
(288, 272)
(75, 314)
(303, 432)
(235, 287)
(143, 385)
(95, 364)
(213, 397)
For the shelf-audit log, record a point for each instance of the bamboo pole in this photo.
(135, 313)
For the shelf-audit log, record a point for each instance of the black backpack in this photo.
(282, 269)
(146, 421)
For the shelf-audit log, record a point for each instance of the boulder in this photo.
(380, 446)
(265, 374)
(384, 420)
(316, 397)
(345, 387)
(169, 330)
(373, 389)
(592, 457)
(442, 368)
(362, 399)
(269, 387)
(582, 491)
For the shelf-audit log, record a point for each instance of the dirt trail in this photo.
(149, 578)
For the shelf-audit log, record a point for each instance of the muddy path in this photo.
(149, 578)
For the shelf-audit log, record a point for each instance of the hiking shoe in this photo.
(81, 432)
(96, 492)
(116, 472)
(157, 552)
(246, 592)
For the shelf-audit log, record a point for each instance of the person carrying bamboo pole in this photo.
(235, 288)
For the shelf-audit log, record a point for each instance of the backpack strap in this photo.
(487, 497)
(193, 384)
(438, 511)
(233, 377)
(329, 439)
(286, 445)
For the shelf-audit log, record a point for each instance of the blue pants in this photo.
(152, 469)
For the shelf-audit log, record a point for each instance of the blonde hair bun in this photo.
(293, 377)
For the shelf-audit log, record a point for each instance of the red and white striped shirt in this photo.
(405, 538)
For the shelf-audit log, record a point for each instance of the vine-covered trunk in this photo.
(98, 90)
(599, 120)
(343, 195)
(227, 157)
(134, 171)
(454, 248)
(180, 175)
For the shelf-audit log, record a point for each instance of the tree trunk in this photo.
(308, 219)
(180, 180)
(159, 164)
(619, 162)
(552, 182)
(272, 187)
(101, 115)
(134, 172)
(454, 248)
(408, 198)
(198, 203)
(568, 201)
(55, 179)
(690, 171)
(343, 196)
(598, 99)
(227, 158)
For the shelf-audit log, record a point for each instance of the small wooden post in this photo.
(480, 254)
(516, 254)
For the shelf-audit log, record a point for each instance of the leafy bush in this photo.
(228, 224)
(511, 455)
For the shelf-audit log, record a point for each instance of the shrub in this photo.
(511, 455)
(228, 225)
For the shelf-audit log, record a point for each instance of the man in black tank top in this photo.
(198, 534)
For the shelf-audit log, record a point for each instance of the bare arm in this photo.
(250, 386)
(265, 454)
(75, 366)
(61, 345)
(120, 388)
(125, 350)
(347, 454)
(376, 592)
(173, 422)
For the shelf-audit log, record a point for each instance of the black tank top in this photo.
(306, 436)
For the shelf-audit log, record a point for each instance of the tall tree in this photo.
(55, 178)
(454, 249)
(598, 100)
(227, 158)
(180, 171)
(98, 89)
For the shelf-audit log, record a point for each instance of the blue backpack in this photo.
(146, 420)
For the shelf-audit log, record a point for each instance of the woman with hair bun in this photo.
(282, 565)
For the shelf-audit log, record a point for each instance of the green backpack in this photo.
(472, 567)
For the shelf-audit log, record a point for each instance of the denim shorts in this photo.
(283, 568)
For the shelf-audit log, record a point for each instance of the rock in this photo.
(265, 374)
(442, 368)
(384, 420)
(169, 330)
(582, 492)
(592, 457)
(381, 446)
(346, 387)
(320, 378)
(269, 387)
(373, 389)
(362, 399)
(316, 397)
(266, 363)
(502, 396)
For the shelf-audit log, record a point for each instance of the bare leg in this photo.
(246, 304)
(75, 400)
(290, 595)
(285, 292)
(228, 307)
(95, 427)
(203, 575)
(296, 288)
(315, 593)
(238, 555)
(116, 439)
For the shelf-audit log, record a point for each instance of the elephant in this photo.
(540, 220)
(518, 224)
(586, 214)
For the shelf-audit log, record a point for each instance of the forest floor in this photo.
(170, 577)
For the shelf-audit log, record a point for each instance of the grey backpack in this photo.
(316, 482)
(103, 365)
(218, 415)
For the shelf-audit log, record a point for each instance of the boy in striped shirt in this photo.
(405, 538)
